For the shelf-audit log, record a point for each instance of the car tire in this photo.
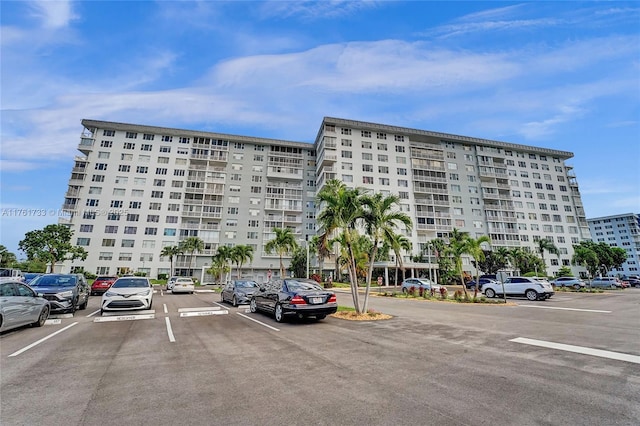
(42, 318)
(531, 295)
(404, 290)
(613, 286)
(637, 285)
(234, 302)
(490, 293)
(278, 314)
(84, 305)
(74, 306)
(253, 306)
(576, 287)
(150, 304)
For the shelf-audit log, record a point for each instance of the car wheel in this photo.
(613, 286)
(43, 317)
(637, 285)
(253, 307)
(404, 290)
(234, 301)
(576, 287)
(150, 304)
(84, 305)
(101, 312)
(278, 313)
(74, 305)
(490, 293)
(531, 295)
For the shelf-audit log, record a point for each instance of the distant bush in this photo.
(163, 277)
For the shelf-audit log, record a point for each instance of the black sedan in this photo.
(633, 282)
(239, 291)
(294, 297)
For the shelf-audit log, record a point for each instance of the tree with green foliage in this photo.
(341, 209)
(548, 245)
(458, 245)
(52, 244)
(7, 258)
(298, 265)
(240, 255)
(593, 256)
(473, 248)
(283, 243)
(171, 252)
(381, 219)
(191, 245)
(220, 262)
(399, 243)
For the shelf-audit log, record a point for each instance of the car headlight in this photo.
(110, 294)
(242, 294)
(144, 293)
(65, 294)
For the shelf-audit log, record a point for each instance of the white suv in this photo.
(531, 288)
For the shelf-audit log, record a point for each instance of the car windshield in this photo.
(130, 282)
(53, 281)
(246, 284)
(293, 285)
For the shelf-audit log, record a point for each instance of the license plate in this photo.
(316, 300)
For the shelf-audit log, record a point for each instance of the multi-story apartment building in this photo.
(136, 189)
(515, 194)
(622, 230)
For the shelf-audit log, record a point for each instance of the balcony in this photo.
(328, 158)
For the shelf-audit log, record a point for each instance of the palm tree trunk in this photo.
(369, 276)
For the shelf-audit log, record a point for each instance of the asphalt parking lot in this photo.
(573, 359)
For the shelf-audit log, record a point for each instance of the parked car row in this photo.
(531, 288)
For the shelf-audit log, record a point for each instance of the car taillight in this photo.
(332, 299)
(297, 300)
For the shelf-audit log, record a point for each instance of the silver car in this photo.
(606, 282)
(20, 305)
(420, 285)
(574, 282)
(239, 291)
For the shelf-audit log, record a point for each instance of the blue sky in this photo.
(562, 75)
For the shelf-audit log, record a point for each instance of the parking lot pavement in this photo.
(433, 363)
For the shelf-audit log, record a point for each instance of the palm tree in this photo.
(380, 221)
(458, 243)
(502, 256)
(474, 249)
(398, 243)
(544, 244)
(283, 243)
(221, 261)
(341, 208)
(192, 245)
(241, 254)
(7, 259)
(171, 252)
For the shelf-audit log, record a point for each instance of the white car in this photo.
(531, 288)
(128, 293)
(171, 282)
(183, 285)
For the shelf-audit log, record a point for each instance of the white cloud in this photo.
(53, 14)
(327, 9)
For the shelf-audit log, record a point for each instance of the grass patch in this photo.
(349, 313)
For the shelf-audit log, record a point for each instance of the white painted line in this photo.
(204, 291)
(202, 313)
(161, 292)
(566, 309)
(259, 322)
(53, 322)
(62, 316)
(579, 349)
(125, 318)
(119, 313)
(155, 291)
(206, 308)
(172, 338)
(220, 304)
(42, 340)
(93, 313)
(247, 311)
(164, 306)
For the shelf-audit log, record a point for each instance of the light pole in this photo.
(306, 244)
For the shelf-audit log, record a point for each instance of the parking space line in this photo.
(219, 304)
(202, 313)
(93, 313)
(566, 309)
(124, 318)
(26, 348)
(169, 330)
(579, 349)
(53, 321)
(206, 308)
(259, 322)
(164, 306)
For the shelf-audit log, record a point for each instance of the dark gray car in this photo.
(239, 292)
(65, 292)
(20, 305)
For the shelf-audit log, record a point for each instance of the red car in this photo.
(102, 284)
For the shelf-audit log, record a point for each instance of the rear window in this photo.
(301, 285)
